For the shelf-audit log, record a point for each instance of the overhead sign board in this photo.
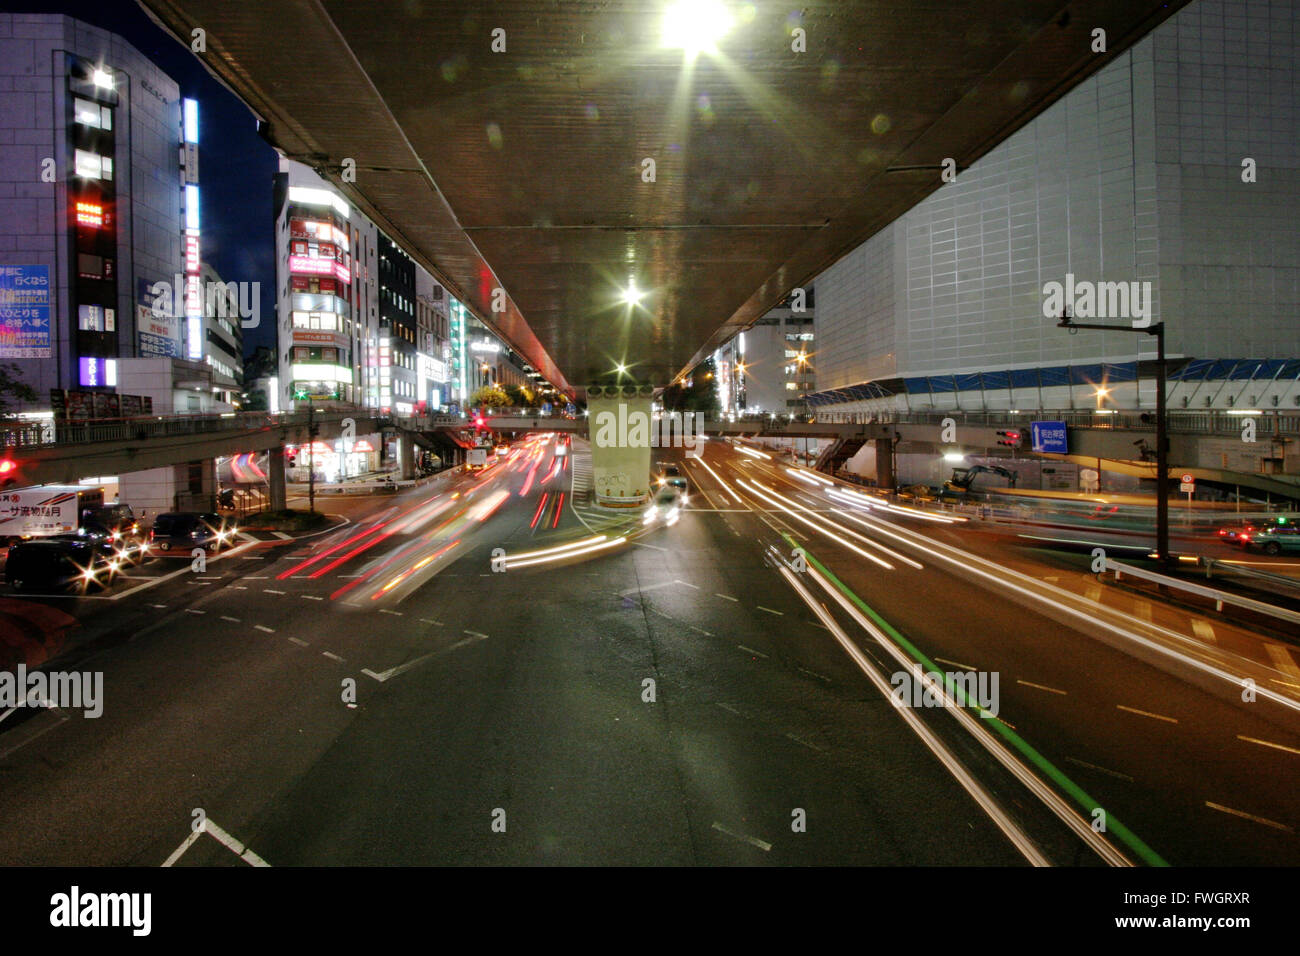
(1049, 438)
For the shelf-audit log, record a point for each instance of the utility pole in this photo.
(1162, 411)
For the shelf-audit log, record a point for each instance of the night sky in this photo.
(235, 164)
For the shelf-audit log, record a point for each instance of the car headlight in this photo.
(649, 517)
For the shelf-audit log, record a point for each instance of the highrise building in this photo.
(98, 192)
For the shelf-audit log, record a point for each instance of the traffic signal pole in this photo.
(1162, 437)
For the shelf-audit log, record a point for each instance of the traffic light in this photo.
(1010, 438)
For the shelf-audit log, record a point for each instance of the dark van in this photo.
(185, 530)
(59, 563)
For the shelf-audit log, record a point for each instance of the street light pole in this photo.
(1162, 441)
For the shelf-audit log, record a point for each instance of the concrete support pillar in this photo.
(884, 462)
(275, 478)
(620, 426)
(405, 456)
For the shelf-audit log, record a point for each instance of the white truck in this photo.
(476, 459)
(44, 510)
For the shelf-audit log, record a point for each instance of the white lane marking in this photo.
(648, 587)
(652, 547)
(190, 610)
(232, 620)
(752, 841)
(1250, 816)
(1147, 713)
(750, 650)
(270, 591)
(770, 611)
(267, 630)
(965, 667)
(1283, 660)
(298, 641)
(403, 668)
(814, 674)
(1203, 629)
(311, 597)
(731, 710)
(256, 577)
(158, 605)
(810, 746)
(726, 597)
(687, 583)
(1050, 690)
(384, 610)
(282, 536)
(179, 852)
(222, 837)
(333, 657)
(1268, 743)
(238, 587)
(425, 620)
(1093, 766)
(217, 578)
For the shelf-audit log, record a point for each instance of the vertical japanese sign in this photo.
(25, 312)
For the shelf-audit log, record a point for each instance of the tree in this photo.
(489, 396)
(12, 389)
(519, 396)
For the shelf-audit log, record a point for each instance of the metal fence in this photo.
(43, 434)
(1183, 423)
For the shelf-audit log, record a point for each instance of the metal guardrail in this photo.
(1212, 564)
(1181, 423)
(1219, 598)
(46, 434)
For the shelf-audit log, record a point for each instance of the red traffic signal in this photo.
(1010, 438)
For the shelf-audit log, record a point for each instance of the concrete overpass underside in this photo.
(508, 145)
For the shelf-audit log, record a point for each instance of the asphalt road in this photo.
(421, 687)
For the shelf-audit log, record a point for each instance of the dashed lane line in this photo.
(264, 629)
(1250, 816)
(333, 657)
(770, 611)
(1268, 743)
(299, 641)
(1050, 690)
(752, 841)
(944, 660)
(1147, 713)
(1093, 766)
(726, 597)
(232, 620)
(750, 650)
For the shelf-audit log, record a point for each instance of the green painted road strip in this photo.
(1077, 793)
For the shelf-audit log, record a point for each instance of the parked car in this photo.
(1273, 539)
(185, 530)
(60, 561)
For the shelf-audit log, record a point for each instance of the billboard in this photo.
(1049, 438)
(25, 312)
(157, 333)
